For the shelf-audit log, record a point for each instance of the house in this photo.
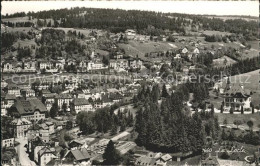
(13, 89)
(77, 156)
(81, 104)
(64, 98)
(7, 101)
(115, 97)
(135, 63)
(20, 126)
(59, 64)
(196, 51)
(41, 131)
(44, 64)
(184, 51)
(95, 65)
(7, 142)
(118, 55)
(130, 33)
(115, 64)
(33, 142)
(32, 109)
(49, 99)
(29, 65)
(236, 96)
(45, 155)
(8, 67)
(27, 93)
(75, 144)
(48, 126)
(164, 159)
(83, 64)
(36, 150)
(3, 84)
(144, 160)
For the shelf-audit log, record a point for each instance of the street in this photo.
(21, 151)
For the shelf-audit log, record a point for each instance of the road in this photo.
(23, 156)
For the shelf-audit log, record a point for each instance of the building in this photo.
(13, 89)
(7, 142)
(32, 109)
(95, 65)
(45, 155)
(130, 33)
(7, 67)
(27, 93)
(49, 99)
(81, 104)
(135, 63)
(7, 101)
(45, 64)
(29, 66)
(121, 63)
(20, 125)
(144, 160)
(236, 96)
(64, 98)
(77, 156)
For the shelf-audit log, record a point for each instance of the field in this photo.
(220, 61)
(216, 33)
(16, 19)
(250, 80)
(135, 47)
(234, 17)
(243, 117)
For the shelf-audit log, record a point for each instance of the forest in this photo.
(169, 127)
(145, 22)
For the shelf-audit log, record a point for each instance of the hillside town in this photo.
(153, 96)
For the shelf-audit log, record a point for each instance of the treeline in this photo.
(17, 14)
(104, 120)
(169, 127)
(145, 22)
(19, 24)
(242, 66)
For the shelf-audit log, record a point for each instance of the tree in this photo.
(164, 91)
(250, 124)
(64, 107)
(222, 108)
(237, 122)
(242, 110)
(113, 130)
(111, 155)
(231, 111)
(54, 110)
(225, 122)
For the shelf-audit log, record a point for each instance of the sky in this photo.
(190, 7)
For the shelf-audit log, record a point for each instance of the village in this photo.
(56, 109)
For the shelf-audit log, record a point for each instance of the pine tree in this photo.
(111, 155)
(54, 110)
(164, 92)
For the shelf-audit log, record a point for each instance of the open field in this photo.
(250, 80)
(135, 47)
(243, 117)
(216, 33)
(234, 17)
(220, 61)
(17, 19)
